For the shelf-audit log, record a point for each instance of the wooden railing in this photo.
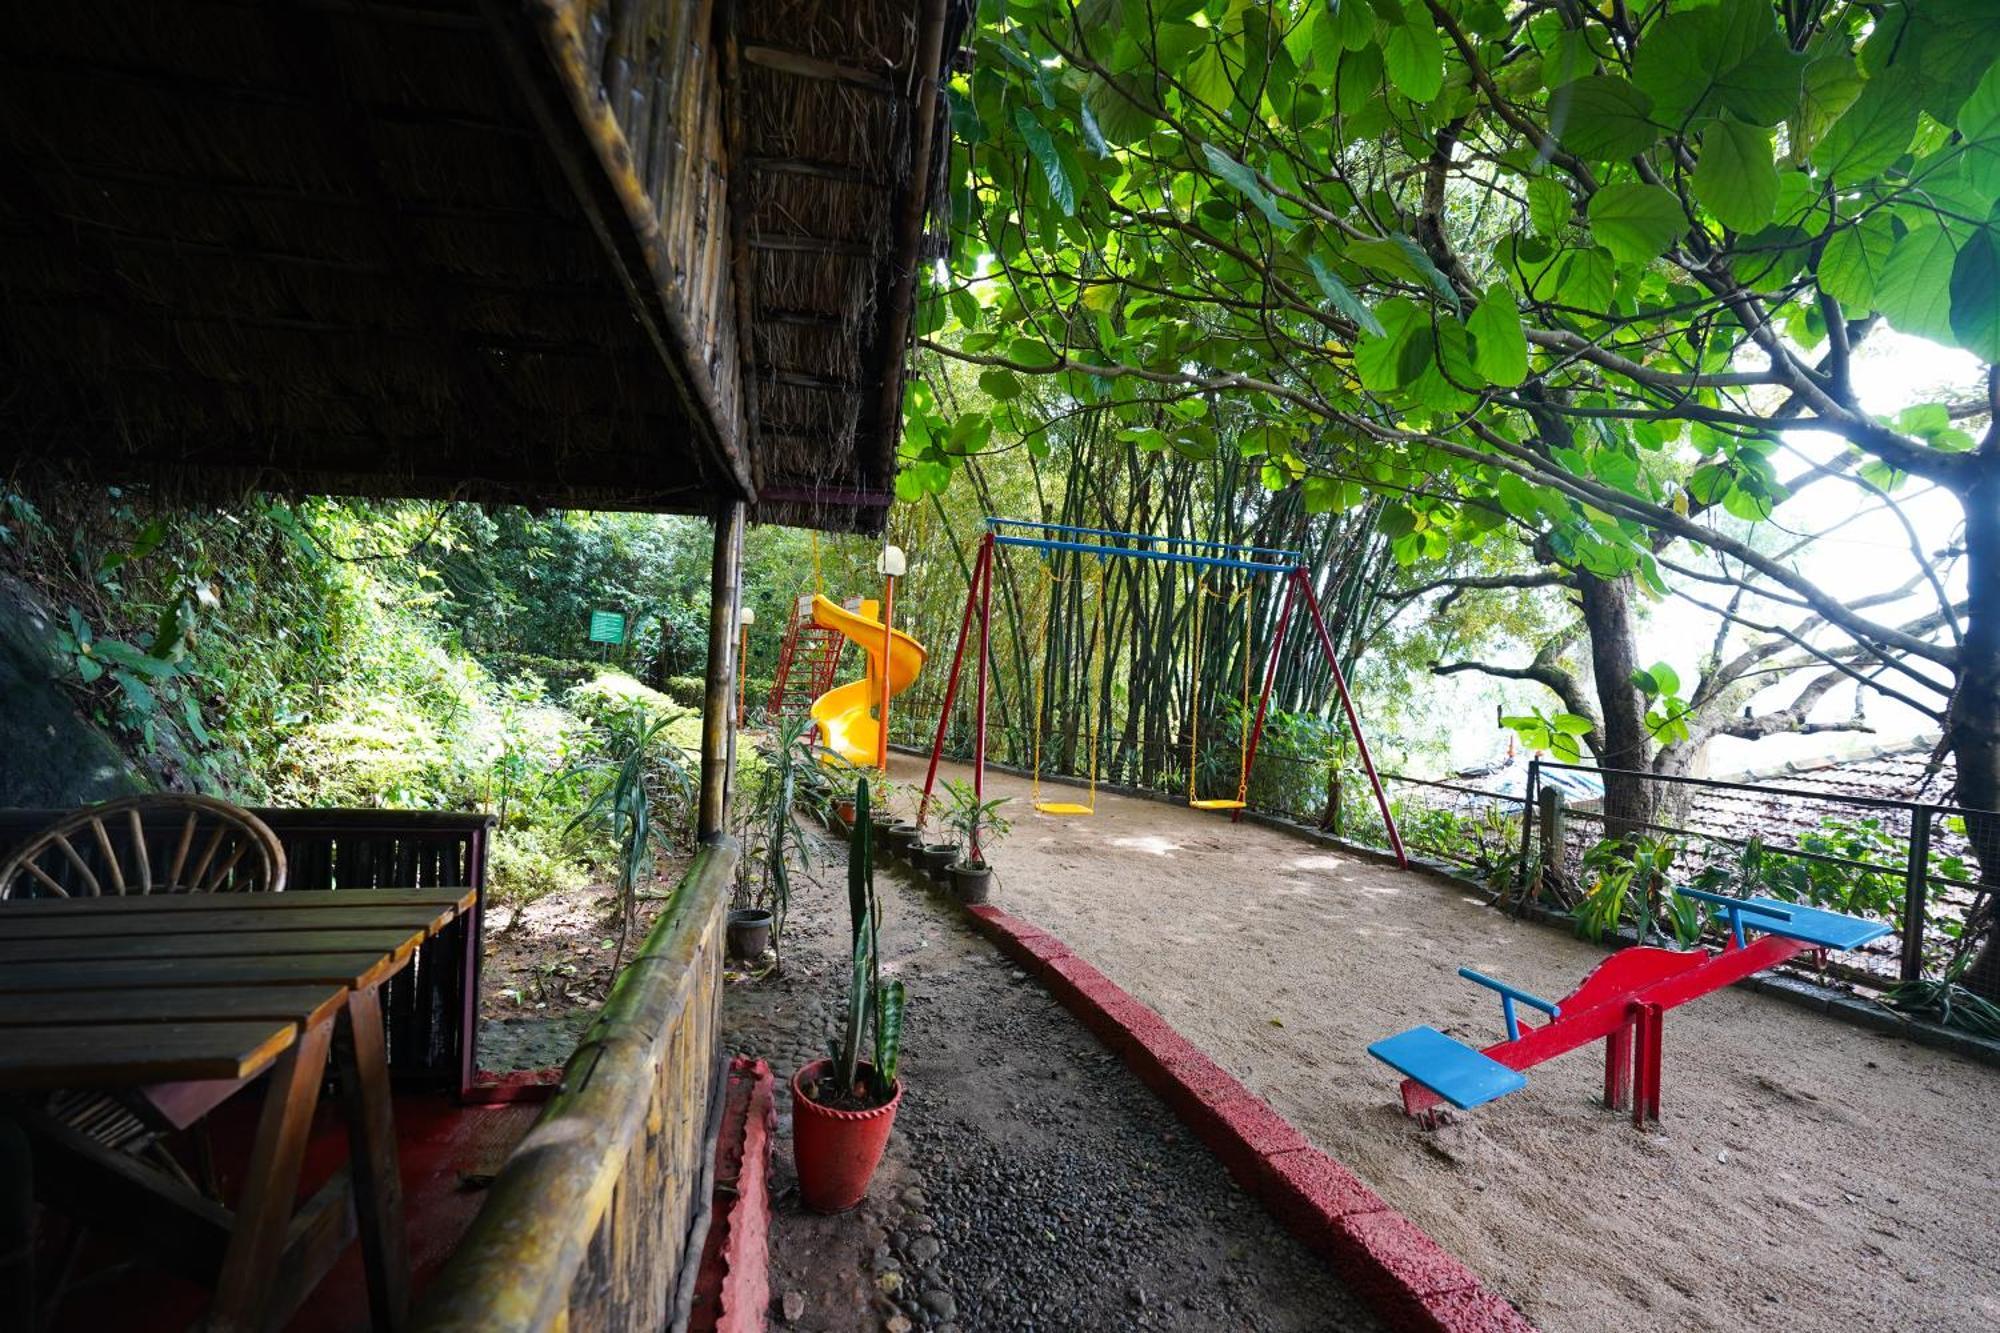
(431, 1009)
(587, 1226)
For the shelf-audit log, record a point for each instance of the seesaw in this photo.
(1623, 1002)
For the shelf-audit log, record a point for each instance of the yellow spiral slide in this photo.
(846, 713)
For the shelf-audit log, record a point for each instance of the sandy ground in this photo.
(1806, 1175)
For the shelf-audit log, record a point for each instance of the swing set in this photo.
(1207, 558)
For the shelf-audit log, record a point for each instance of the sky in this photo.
(1866, 554)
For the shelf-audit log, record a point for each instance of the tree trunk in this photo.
(1973, 728)
(1625, 741)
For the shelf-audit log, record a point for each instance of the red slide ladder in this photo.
(807, 663)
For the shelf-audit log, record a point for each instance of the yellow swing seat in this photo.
(1218, 804)
(1063, 808)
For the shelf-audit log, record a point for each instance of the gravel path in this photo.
(1808, 1175)
(1031, 1182)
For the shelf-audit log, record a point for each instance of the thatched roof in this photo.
(593, 253)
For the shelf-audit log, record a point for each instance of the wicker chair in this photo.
(169, 843)
(137, 845)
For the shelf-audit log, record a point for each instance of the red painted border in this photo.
(746, 1290)
(733, 1288)
(1409, 1279)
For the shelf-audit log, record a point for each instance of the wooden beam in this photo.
(799, 379)
(794, 166)
(804, 318)
(812, 245)
(801, 65)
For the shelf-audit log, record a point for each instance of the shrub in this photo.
(526, 863)
(688, 691)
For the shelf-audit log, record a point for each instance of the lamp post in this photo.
(743, 624)
(890, 565)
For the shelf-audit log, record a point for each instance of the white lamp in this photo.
(891, 564)
(749, 615)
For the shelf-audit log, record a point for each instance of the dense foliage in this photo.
(323, 653)
(1563, 279)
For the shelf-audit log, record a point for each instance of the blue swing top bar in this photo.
(1140, 546)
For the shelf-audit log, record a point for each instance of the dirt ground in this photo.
(1806, 1175)
(1031, 1182)
(547, 969)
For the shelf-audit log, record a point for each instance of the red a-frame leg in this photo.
(981, 570)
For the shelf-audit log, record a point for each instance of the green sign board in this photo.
(607, 627)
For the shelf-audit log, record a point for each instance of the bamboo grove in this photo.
(1124, 652)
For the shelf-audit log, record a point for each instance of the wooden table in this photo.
(188, 997)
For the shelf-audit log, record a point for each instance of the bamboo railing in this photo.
(586, 1226)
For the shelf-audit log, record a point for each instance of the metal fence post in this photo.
(1330, 821)
(1916, 888)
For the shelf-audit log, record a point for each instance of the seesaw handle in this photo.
(1509, 994)
(1736, 907)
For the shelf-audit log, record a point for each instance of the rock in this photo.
(914, 1198)
(941, 1304)
(794, 1305)
(896, 1324)
(923, 1249)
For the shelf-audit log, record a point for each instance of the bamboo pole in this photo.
(718, 732)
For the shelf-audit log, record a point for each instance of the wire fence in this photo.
(1925, 869)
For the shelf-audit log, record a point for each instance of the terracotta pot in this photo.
(970, 881)
(937, 858)
(836, 1151)
(749, 933)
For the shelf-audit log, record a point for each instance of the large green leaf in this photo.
(1344, 300)
(1517, 497)
(1499, 346)
(1401, 257)
(1875, 131)
(1120, 119)
(1636, 222)
(1979, 127)
(1832, 82)
(1349, 23)
(1384, 362)
(1061, 192)
(1246, 183)
(1851, 266)
(1975, 296)
(1914, 292)
(1736, 177)
(1728, 56)
(1603, 118)
(1577, 279)
(1549, 205)
(1413, 55)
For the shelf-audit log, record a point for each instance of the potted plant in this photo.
(978, 825)
(843, 1106)
(899, 834)
(771, 836)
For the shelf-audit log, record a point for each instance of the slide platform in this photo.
(846, 713)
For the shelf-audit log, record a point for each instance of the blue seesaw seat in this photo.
(1454, 1071)
(1794, 921)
